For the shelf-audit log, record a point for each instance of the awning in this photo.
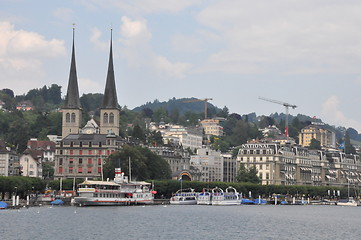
(3, 205)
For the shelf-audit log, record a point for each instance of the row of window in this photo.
(80, 170)
(80, 161)
(83, 152)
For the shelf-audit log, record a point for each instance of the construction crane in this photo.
(205, 100)
(287, 105)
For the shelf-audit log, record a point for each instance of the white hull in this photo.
(226, 203)
(352, 204)
(186, 202)
(91, 201)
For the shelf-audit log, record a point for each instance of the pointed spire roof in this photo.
(110, 99)
(72, 97)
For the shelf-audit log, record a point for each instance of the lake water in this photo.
(182, 222)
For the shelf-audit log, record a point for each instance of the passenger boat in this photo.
(347, 202)
(228, 197)
(112, 193)
(184, 197)
(205, 197)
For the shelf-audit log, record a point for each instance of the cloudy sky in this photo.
(304, 52)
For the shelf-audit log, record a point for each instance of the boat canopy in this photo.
(57, 202)
(3, 205)
(99, 183)
(246, 201)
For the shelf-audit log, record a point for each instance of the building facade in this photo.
(191, 138)
(326, 137)
(295, 165)
(213, 126)
(178, 159)
(207, 165)
(9, 161)
(229, 167)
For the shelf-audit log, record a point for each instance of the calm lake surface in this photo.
(182, 222)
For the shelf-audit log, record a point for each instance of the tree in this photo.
(315, 144)
(138, 133)
(266, 121)
(349, 149)
(224, 112)
(48, 170)
(145, 165)
(247, 174)
(155, 138)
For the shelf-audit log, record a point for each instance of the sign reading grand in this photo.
(256, 146)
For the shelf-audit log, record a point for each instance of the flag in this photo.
(342, 145)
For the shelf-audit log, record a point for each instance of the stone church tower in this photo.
(109, 111)
(72, 111)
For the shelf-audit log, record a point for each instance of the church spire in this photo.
(110, 100)
(109, 111)
(72, 97)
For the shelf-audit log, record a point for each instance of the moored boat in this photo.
(184, 197)
(228, 197)
(347, 202)
(112, 193)
(205, 197)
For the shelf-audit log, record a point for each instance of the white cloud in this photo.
(135, 36)
(142, 6)
(22, 55)
(134, 29)
(332, 112)
(297, 37)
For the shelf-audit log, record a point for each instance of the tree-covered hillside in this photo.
(16, 127)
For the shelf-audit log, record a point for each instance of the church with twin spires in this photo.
(82, 153)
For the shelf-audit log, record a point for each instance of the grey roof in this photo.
(72, 97)
(110, 100)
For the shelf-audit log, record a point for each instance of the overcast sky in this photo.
(304, 52)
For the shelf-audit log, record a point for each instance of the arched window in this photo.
(105, 118)
(73, 117)
(67, 117)
(111, 118)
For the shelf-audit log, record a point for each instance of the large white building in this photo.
(285, 164)
(186, 137)
(207, 165)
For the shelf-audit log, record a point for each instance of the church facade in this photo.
(82, 154)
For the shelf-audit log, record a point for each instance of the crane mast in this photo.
(286, 105)
(205, 100)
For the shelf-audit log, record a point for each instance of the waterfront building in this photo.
(207, 165)
(177, 158)
(83, 150)
(286, 164)
(9, 161)
(229, 167)
(36, 153)
(327, 138)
